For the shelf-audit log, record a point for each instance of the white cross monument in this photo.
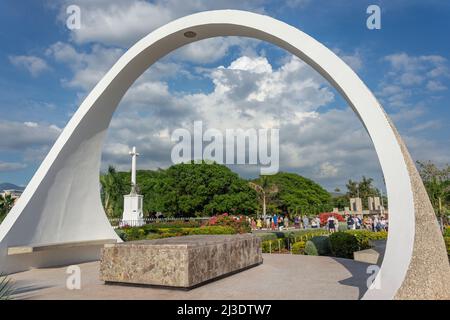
(132, 203)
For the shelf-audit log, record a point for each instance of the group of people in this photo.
(376, 223)
(304, 222)
(274, 222)
(357, 222)
(281, 222)
(354, 222)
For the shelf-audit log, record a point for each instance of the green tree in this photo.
(195, 189)
(112, 191)
(362, 189)
(437, 184)
(296, 194)
(6, 204)
(266, 191)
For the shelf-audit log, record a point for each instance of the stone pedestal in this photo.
(182, 262)
(132, 210)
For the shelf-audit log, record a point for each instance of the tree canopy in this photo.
(293, 193)
(199, 189)
(437, 184)
(362, 189)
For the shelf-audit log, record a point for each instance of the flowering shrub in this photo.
(238, 223)
(325, 215)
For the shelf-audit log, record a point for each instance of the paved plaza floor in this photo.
(281, 276)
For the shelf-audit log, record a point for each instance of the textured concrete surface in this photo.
(428, 275)
(373, 255)
(179, 261)
(281, 276)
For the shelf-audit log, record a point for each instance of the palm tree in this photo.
(6, 289)
(265, 189)
(113, 188)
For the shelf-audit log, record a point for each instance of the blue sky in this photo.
(46, 70)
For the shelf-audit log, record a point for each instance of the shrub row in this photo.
(363, 237)
(343, 244)
(298, 247)
(319, 242)
(140, 233)
(447, 244)
(447, 231)
(318, 246)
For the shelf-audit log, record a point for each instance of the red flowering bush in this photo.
(238, 223)
(325, 215)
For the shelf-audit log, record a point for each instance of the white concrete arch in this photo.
(62, 201)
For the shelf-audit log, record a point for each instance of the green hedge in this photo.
(140, 233)
(364, 236)
(343, 244)
(318, 246)
(212, 230)
(447, 231)
(298, 247)
(266, 236)
(271, 246)
(447, 244)
(305, 235)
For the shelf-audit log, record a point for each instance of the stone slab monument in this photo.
(356, 205)
(180, 262)
(374, 203)
(133, 203)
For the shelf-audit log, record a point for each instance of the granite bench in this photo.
(180, 262)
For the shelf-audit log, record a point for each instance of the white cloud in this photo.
(411, 71)
(433, 85)
(34, 65)
(409, 86)
(88, 67)
(11, 166)
(27, 137)
(123, 22)
(354, 60)
(248, 93)
(328, 170)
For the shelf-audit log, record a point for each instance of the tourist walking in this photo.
(296, 222)
(317, 221)
(331, 224)
(350, 223)
(305, 222)
(376, 223)
(253, 224)
(259, 224)
(280, 223)
(358, 222)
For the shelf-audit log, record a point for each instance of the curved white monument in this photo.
(61, 205)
